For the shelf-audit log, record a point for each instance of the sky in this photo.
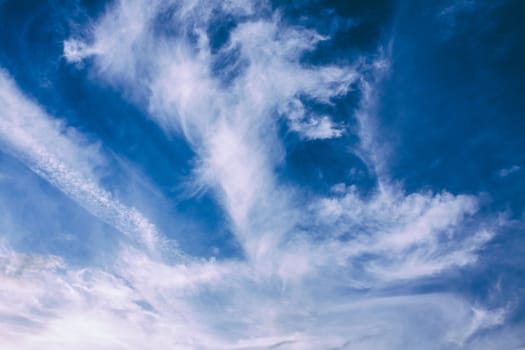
(250, 174)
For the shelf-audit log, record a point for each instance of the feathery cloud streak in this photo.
(233, 128)
(64, 158)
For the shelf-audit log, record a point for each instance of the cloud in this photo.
(309, 127)
(507, 171)
(404, 236)
(231, 130)
(210, 305)
(317, 271)
(452, 15)
(62, 157)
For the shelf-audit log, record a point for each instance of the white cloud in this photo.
(507, 171)
(210, 305)
(75, 51)
(307, 258)
(60, 155)
(231, 130)
(310, 127)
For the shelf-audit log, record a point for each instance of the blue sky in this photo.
(262, 174)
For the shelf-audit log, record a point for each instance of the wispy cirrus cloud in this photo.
(318, 269)
(233, 128)
(64, 158)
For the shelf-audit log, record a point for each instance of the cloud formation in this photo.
(317, 271)
(65, 159)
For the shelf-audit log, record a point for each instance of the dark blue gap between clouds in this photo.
(453, 111)
(453, 107)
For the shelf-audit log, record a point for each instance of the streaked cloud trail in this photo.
(59, 155)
